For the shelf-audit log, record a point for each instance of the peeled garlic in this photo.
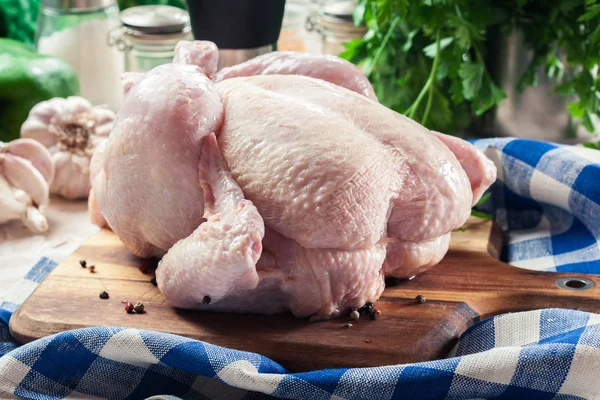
(25, 173)
(71, 129)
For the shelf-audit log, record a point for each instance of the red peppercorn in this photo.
(128, 307)
(143, 268)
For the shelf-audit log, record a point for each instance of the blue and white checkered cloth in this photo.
(547, 199)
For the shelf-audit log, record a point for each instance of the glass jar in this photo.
(293, 35)
(76, 31)
(148, 35)
(335, 24)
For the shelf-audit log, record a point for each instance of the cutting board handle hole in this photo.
(575, 283)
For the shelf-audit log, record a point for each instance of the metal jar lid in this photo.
(156, 20)
(79, 5)
(338, 11)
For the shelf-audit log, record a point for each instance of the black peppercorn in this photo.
(206, 300)
(139, 308)
(367, 308)
(104, 295)
(83, 263)
(373, 315)
(420, 299)
(153, 281)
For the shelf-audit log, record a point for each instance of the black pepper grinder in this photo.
(241, 29)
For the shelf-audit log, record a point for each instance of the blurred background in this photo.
(470, 68)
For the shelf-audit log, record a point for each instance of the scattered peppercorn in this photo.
(153, 281)
(206, 300)
(351, 310)
(354, 315)
(104, 295)
(348, 326)
(139, 308)
(128, 307)
(368, 341)
(373, 315)
(143, 268)
(92, 268)
(83, 263)
(367, 308)
(420, 299)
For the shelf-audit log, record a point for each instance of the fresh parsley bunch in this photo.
(433, 59)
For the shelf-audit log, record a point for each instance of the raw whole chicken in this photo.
(26, 171)
(277, 184)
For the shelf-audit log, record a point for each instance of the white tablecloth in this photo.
(69, 227)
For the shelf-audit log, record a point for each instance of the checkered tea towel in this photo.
(547, 201)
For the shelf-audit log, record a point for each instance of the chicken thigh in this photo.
(267, 190)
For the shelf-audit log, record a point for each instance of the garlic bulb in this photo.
(25, 173)
(71, 129)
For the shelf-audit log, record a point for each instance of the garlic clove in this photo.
(35, 152)
(11, 204)
(35, 220)
(72, 175)
(36, 125)
(16, 204)
(20, 173)
(76, 105)
(105, 120)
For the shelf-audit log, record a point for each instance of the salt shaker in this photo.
(76, 31)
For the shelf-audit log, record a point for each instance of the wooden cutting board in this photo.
(469, 284)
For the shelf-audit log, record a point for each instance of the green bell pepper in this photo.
(18, 19)
(27, 78)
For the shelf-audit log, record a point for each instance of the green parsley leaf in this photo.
(483, 199)
(431, 49)
(471, 75)
(576, 109)
(480, 214)
(358, 16)
(489, 96)
(592, 145)
(592, 12)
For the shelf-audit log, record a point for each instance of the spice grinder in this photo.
(241, 29)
